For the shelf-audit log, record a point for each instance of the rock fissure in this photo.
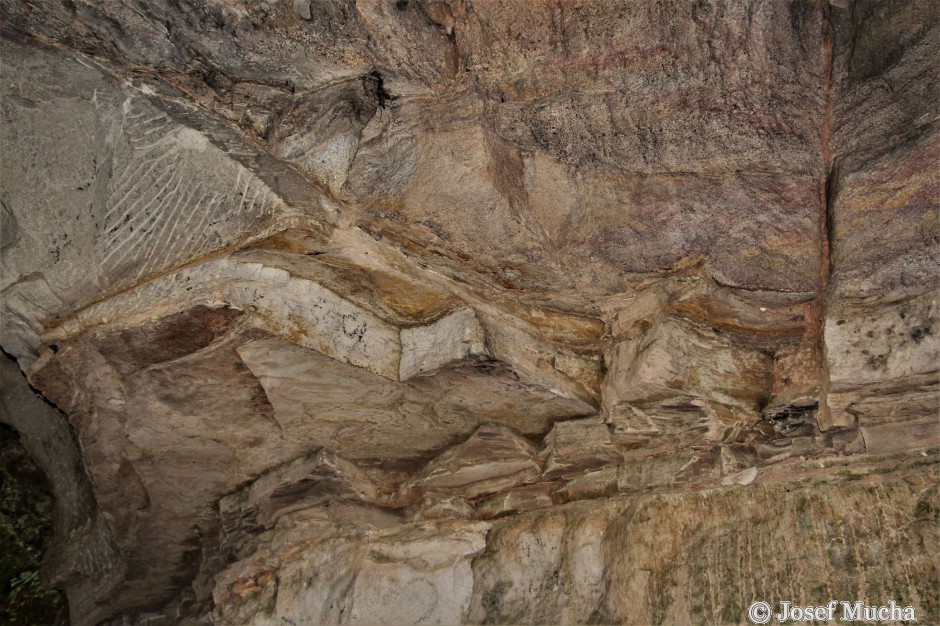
(827, 187)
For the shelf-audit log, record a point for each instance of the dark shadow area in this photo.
(26, 503)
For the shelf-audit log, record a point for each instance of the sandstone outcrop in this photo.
(466, 311)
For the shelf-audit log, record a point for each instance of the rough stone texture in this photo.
(518, 499)
(110, 192)
(575, 445)
(674, 385)
(81, 555)
(409, 574)
(442, 311)
(598, 561)
(300, 484)
(492, 459)
(881, 329)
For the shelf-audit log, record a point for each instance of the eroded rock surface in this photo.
(465, 311)
(492, 459)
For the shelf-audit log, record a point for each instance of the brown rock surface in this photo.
(470, 311)
(492, 459)
(575, 445)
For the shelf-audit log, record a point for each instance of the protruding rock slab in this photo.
(430, 327)
(644, 472)
(166, 339)
(442, 506)
(675, 378)
(594, 483)
(427, 348)
(303, 483)
(332, 574)
(494, 458)
(676, 358)
(742, 478)
(884, 362)
(518, 500)
(290, 304)
(321, 403)
(570, 375)
(576, 445)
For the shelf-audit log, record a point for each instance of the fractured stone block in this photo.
(576, 445)
(493, 459)
(303, 483)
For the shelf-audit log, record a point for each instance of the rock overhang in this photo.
(625, 248)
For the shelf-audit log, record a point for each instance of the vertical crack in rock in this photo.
(826, 199)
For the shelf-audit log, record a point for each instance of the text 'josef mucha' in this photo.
(835, 610)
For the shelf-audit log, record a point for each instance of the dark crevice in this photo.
(832, 190)
(793, 419)
(55, 349)
(827, 191)
(26, 512)
(381, 94)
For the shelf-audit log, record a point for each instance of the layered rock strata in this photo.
(475, 312)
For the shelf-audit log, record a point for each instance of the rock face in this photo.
(491, 460)
(464, 311)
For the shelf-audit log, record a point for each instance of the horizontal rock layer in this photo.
(598, 560)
